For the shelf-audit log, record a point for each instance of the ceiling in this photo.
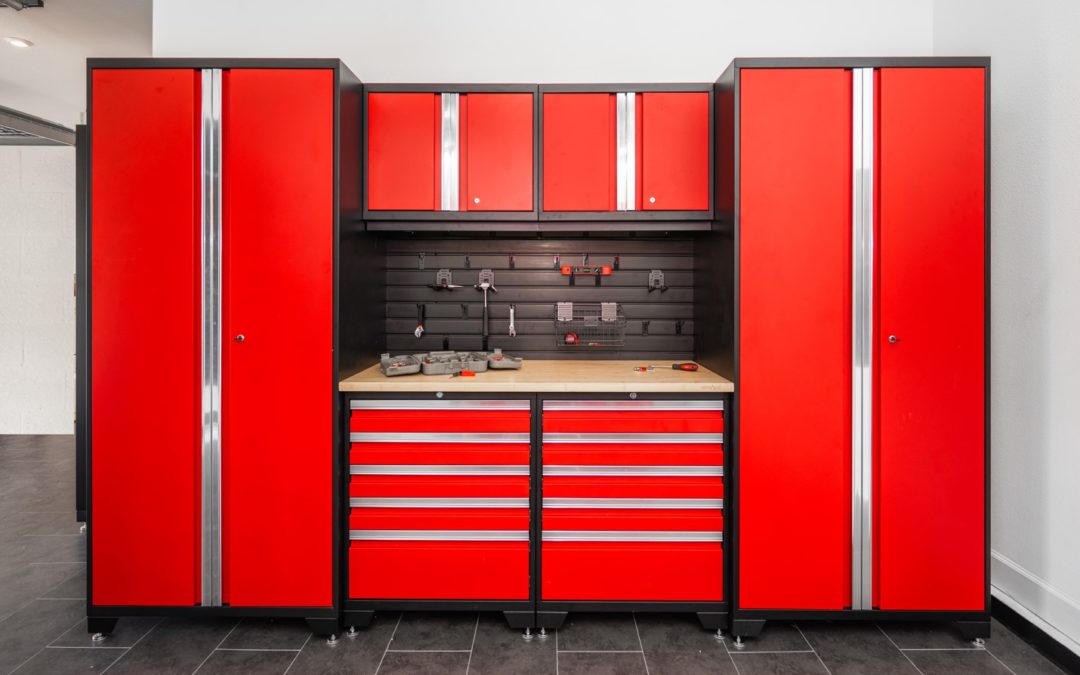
(48, 79)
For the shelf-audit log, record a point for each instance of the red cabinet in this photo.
(404, 145)
(621, 152)
(212, 227)
(439, 500)
(872, 476)
(632, 490)
(675, 151)
(433, 153)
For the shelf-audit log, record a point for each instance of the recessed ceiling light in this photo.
(18, 42)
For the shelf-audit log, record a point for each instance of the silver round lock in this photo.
(475, 200)
(438, 394)
(652, 200)
(633, 396)
(893, 339)
(239, 338)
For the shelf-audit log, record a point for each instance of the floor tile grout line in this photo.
(235, 626)
(82, 647)
(602, 651)
(897, 648)
(299, 651)
(476, 629)
(556, 651)
(252, 649)
(389, 642)
(34, 655)
(132, 646)
(1004, 665)
(942, 649)
(731, 656)
(776, 651)
(821, 660)
(640, 643)
(429, 651)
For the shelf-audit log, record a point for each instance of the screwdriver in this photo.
(688, 367)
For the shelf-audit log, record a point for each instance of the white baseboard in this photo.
(1033, 598)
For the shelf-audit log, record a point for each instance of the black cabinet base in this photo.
(974, 630)
(520, 620)
(713, 620)
(101, 624)
(359, 618)
(323, 625)
(747, 628)
(550, 619)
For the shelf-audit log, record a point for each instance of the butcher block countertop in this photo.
(550, 376)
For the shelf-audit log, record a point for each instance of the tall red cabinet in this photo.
(854, 197)
(210, 283)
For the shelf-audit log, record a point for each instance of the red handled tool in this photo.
(688, 367)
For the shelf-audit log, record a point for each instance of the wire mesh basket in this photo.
(589, 325)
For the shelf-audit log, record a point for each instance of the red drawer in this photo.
(644, 487)
(648, 520)
(629, 422)
(439, 486)
(634, 454)
(439, 519)
(642, 571)
(439, 570)
(440, 453)
(397, 421)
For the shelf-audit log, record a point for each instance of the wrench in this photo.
(513, 331)
(419, 332)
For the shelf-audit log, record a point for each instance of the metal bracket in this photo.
(678, 327)
(644, 327)
(468, 262)
(512, 261)
(656, 281)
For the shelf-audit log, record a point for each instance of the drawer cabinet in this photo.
(632, 490)
(439, 496)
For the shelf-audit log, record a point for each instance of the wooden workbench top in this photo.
(550, 376)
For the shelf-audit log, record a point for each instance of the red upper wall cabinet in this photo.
(618, 152)
(674, 151)
(403, 152)
(433, 153)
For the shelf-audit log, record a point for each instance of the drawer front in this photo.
(439, 570)
(430, 456)
(390, 421)
(617, 570)
(651, 491)
(634, 520)
(438, 519)
(444, 486)
(661, 455)
(570, 416)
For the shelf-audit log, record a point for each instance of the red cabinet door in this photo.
(674, 151)
(277, 389)
(145, 318)
(795, 326)
(403, 151)
(579, 152)
(496, 141)
(932, 537)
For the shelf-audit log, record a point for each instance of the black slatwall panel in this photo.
(660, 326)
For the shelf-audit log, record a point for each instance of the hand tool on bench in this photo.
(688, 367)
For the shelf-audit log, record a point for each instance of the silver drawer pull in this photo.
(439, 469)
(632, 535)
(439, 535)
(628, 470)
(619, 503)
(440, 502)
(438, 437)
(634, 439)
(454, 404)
(644, 406)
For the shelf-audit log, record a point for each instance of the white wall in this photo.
(37, 305)
(1035, 314)
(554, 41)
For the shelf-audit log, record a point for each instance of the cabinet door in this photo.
(795, 330)
(403, 151)
(579, 152)
(675, 151)
(145, 316)
(277, 389)
(497, 152)
(932, 553)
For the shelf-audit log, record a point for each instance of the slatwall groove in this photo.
(659, 324)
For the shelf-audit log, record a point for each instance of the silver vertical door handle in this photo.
(239, 338)
(893, 339)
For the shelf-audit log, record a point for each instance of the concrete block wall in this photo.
(37, 302)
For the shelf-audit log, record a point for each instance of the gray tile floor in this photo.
(43, 625)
